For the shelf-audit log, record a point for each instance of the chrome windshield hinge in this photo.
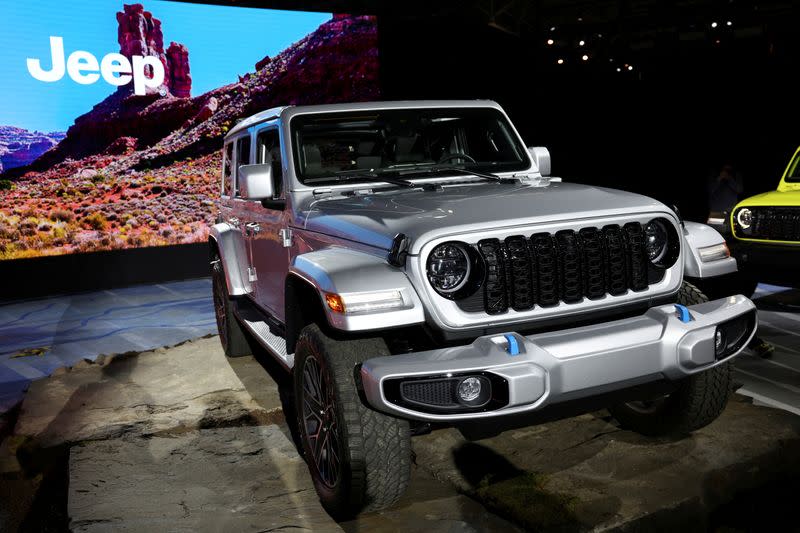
(251, 274)
(286, 237)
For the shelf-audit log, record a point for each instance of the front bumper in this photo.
(561, 365)
(777, 264)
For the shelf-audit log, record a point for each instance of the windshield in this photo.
(793, 172)
(355, 144)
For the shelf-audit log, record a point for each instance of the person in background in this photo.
(724, 191)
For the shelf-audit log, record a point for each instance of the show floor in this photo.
(39, 336)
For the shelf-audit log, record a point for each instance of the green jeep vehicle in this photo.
(765, 234)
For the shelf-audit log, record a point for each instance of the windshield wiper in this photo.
(438, 169)
(344, 176)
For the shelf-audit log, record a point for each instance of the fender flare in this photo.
(696, 236)
(342, 271)
(228, 241)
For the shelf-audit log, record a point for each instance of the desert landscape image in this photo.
(143, 170)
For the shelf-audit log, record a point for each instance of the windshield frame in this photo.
(524, 165)
(792, 174)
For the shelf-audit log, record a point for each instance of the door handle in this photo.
(252, 227)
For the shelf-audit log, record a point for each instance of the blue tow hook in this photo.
(683, 313)
(513, 345)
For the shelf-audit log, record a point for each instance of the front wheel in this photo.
(231, 334)
(698, 400)
(359, 459)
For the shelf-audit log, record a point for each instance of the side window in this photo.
(242, 157)
(227, 170)
(268, 146)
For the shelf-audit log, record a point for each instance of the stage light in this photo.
(560, 61)
(729, 23)
(713, 24)
(581, 43)
(585, 57)
(550, 42)
(630, 67)
(552, 28)
(619, 69)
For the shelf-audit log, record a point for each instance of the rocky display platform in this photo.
(183, 439)
(168, 440)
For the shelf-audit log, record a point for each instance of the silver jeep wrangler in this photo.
(413, 264)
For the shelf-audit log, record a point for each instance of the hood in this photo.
(374, 219)
(786, 198)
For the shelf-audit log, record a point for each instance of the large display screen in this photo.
(112, 114)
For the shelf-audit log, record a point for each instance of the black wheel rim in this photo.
(220, 297)
(319, 423)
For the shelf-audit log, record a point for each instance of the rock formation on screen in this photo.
(20, 147)
(139, 33)
(180, 80)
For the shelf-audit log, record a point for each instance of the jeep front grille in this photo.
(567, 266)
(774, 224)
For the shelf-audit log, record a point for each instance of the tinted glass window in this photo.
(794, 170)
(242, 156)
(336, 144)
(227, 170)
(268, 146)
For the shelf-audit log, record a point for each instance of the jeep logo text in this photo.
(83, 68)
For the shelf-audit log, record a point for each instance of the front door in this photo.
(270, 258)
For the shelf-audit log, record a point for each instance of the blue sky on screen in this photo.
(222, 42)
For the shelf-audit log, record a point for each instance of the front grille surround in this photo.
(771, 224)
(602, 241)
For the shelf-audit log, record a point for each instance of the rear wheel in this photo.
(698, 400)
(359, 459)
(231, 335)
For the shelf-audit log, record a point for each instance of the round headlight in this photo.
(656, 240)
(744, 217)
(448, 267)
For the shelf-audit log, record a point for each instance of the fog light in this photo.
(469, 389)
(719, 342)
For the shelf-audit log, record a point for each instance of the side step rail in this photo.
(256, 322)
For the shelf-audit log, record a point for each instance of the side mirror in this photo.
(541, 156)
(255, 182)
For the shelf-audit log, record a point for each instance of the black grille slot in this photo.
(775, 224)
(637, 256)
(546, 261)
(569, 266)
(518, 273)
(593, 264)
(617, 264)
(495, 297)
(434, 392)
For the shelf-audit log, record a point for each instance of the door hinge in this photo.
(286, 237)
(251, 274)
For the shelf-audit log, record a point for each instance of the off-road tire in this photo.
(375, 448)
(234, 339)
(698, 400)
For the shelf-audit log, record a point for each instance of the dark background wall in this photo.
(661, 129)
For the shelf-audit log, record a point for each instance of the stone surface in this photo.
(19, 147)
(139, 33)
(430, 505)
(180, 80)
(223, 479)
(189, 386)
(587, 473)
